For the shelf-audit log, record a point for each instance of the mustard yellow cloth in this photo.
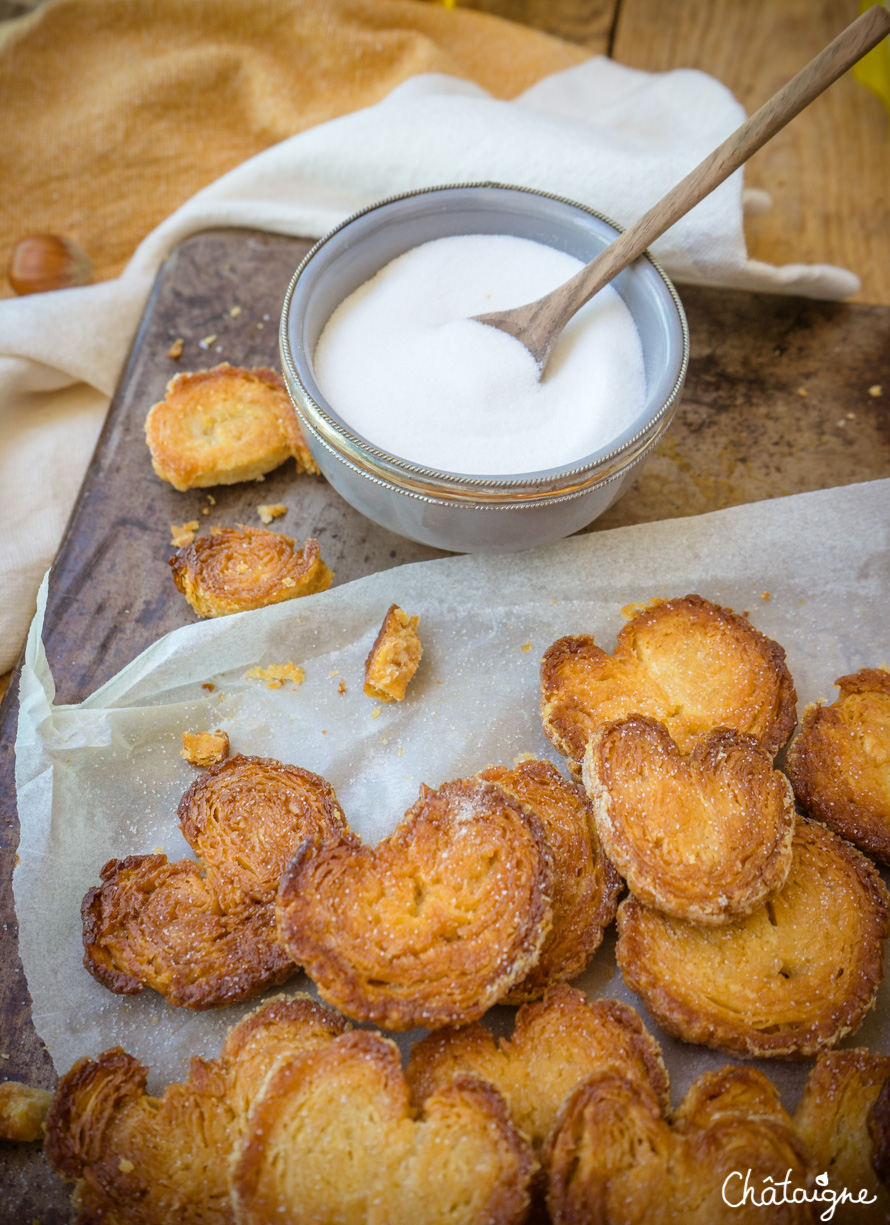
(114, 112)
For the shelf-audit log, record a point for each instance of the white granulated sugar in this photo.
(404, 365)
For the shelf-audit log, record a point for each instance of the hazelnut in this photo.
(47, 261)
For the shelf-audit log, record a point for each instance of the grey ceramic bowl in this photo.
(475, 512)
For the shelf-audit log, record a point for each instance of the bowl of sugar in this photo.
(438, 427)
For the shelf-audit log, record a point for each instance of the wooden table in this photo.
(810, 421)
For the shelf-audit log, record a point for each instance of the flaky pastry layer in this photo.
(688, 663)
(433, 925)
(704, 837)
(394, 657)
(839, 762)
(204, 934)
(789, 980)
(234, 569)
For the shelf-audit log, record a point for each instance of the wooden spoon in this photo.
(538, 324)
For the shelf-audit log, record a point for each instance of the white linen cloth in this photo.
(610, 137)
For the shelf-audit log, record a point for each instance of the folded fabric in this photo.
(607, 136)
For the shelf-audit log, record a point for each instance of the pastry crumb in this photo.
(375, 713)
(184, 534)
(394, 657)
(207, 341)
(341, 688)
(765, 595)
(277, 674)
(125, 1166)
(176, 348)
(876, 390)
(521, 757)
(267, 512)
(207, 685)
(205, 748)
(235, 312)
(525, 648)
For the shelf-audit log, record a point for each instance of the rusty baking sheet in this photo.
(782, 397)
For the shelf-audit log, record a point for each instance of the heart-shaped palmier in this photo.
(154, 1161)
(614, 1160)
(333, 1138)
(433, 925)
(790, 979)
(585, 887)
(205, 934)
(688, 663)
(839, 762)
(234, 569)
(556, 1043)
(704, 837)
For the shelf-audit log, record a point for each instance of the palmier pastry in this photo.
(204, 934)
(612, 1159)
(23, 1109)
(556, 1044)
(433, 925)
(688, 663)
(705, 837)
(333, 1138)
(789, 980)
(833, 1120)
(839, 763)
(216, 427)
(141, 1160)
(394, 657)
(585, 888)
(234, 569)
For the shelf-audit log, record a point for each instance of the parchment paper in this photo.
(102, 779)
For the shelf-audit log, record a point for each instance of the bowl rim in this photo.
(545, 485)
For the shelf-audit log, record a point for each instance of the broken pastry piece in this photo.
(205, 748)
(332, 1137)
(203, 934)
(434, 924)
(557, 1043)
(706, 837)
(585, 888)
(394, 657)
(839, 763)
(153, 1161)
(835, 1118)
(613, 1159)
(688, 663)
(234, 569)
(789, 980)
(220, 426)
(23, 1111)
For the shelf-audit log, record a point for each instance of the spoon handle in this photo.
(849, 46)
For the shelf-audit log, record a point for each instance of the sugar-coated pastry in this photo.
(789, 980)
(832, 1117)
(205, 748)
(585, 887)
(556, 1043)
(23, 1110)
(394, 657)
(333, 1139)
(688, 663)
(204, 934)
(234, 569)
(434, 924)
(704, 837)
(613, 1159)
(220, 426)
(142, 1160)
(839, 762)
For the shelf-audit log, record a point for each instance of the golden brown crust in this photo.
(438, 921)
(219, 426)
(556, 1043)
(234, 569)
(832, 1118)
(204, 934)
(394, 657)
(140, 1160)
(23, 1109)
(613, 1159)
(790, 980)
(686, 662)
(333, 1138)
(205, 748)
(839, 763)
(704, 837)
(585, 888)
